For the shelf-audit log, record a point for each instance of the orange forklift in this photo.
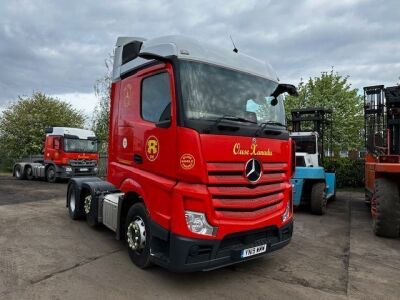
(382, 160)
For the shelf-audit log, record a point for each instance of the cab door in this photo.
(155, 133)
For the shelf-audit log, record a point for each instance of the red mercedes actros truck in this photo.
(67, 152)
(200, 158)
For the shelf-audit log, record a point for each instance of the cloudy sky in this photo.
(59, 47)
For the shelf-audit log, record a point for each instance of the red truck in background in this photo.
(200, 158)
(68, 152)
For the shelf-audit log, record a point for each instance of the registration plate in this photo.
(83, 169)
(253, 251)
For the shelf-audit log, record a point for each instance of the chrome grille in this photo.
(234, 197)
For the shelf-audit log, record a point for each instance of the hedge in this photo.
(349, 172)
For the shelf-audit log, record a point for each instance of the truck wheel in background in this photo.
(385, 208)
(138, 235)
(51, 175)
(73, 203)
(367, 199)
(29, 172)
(318, 198)
(19, 172)
(90, 208)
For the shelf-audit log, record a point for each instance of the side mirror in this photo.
(56, 144)
(285, 88)
(164, 124)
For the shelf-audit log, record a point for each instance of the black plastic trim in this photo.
(190, 255)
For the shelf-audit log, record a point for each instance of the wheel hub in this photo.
(136, 234)
(87, 203)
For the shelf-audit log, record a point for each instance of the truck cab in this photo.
(67, 152)
(307, 153)
(200, 158)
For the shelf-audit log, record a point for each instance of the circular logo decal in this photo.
(125, 143)
(152, 148)
(187, 161)
(253, 170)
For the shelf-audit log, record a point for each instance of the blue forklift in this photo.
(312, 184)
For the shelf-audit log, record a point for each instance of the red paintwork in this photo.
(191, 169)
(58, 156)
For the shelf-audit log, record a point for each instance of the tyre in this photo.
(385, 208)
(318, 198)
(73, 203)
(138, 235)
(367, 199)
(51, 174)
(29, 172)
(19, 172)
(90, 208)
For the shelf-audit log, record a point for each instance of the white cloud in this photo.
(85, 102)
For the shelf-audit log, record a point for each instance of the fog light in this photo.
(286, 214)
(68, 169)
(95, 169)
(197, 223)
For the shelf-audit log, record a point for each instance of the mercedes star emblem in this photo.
(253, 170)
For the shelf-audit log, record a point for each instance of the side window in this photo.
(156, 98)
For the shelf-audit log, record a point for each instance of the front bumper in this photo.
(76, 171)
(181, 254)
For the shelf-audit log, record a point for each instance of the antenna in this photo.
(234, 46)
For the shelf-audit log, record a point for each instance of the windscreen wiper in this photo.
(233, 118)
(230, 118)
(264, 124)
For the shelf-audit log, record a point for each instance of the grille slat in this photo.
(234, 197)
(241, 180)
(250, 204)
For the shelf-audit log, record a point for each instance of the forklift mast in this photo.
(317, 120)
(382, 120)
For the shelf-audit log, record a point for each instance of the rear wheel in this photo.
(73, 203)
(385, 208)
(90, 207)
(19, 172)
(138, 235)
(51, 175)
(29, 173)
(318, 198)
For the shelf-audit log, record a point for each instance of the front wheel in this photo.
(138, 235)
(51, 175)
(318, 198)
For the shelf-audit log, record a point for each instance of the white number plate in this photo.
(83, 169)
(253, 251)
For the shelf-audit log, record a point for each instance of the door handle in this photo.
(137, 159)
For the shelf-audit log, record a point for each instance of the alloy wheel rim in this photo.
(136, 235)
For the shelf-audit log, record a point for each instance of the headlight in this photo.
(286, 214)
(95, 169)
(197, 223)
(68, 169)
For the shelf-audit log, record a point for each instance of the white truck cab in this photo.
(307, 154)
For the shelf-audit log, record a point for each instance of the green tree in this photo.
(333, 91)
(22, 124)
(102, 89)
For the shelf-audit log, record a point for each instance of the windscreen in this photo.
(78, 145)
(306, 144)
(210, 92)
